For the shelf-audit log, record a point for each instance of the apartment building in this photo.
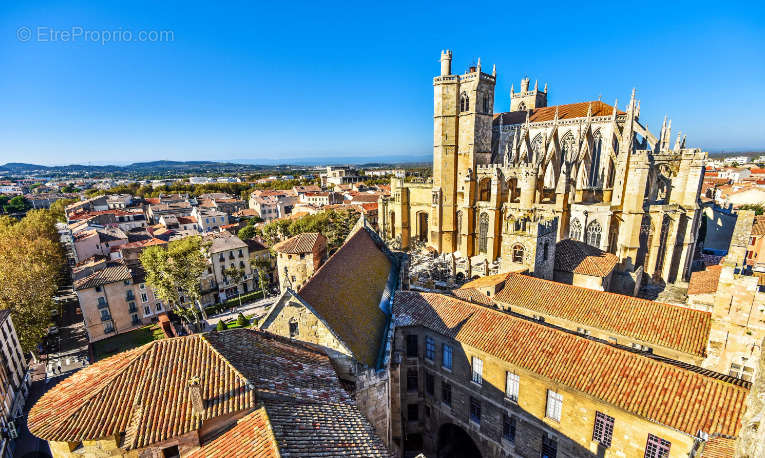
(14, 384)
(114, 298)
(227, 251)
(475, 381)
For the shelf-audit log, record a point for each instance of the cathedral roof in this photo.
(682, 397)
(568, 111)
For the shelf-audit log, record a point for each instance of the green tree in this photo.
(261, 268)
(32, 259)
(235, 276)
(17, 204)
(58, 207)
(176, 270)
(242, 321)
(221, 326)
(247, 232)
(758, 209)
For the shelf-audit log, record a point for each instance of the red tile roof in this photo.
(252, 436)
(679, 328)
(143, 396)
(705, 281)
(719, 447)
(489, 280)
(581, 258)
(649, 387)
(568, 111)
(472, 295)
(301, 243)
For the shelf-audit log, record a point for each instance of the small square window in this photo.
(413, 412)
(446, 393)
(430, 348)
(603, 430)
(411, 346)
(411, 380)
(475, 410)
(446, 357)
(508, 428)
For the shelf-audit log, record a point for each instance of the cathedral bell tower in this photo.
(446, 88)
(526, 99)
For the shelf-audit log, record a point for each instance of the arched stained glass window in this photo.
(593, 234)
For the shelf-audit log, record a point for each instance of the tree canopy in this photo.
(174, 273)
(32, 259)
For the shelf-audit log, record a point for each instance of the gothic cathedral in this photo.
(507, 186)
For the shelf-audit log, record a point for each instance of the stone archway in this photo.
(454, 442)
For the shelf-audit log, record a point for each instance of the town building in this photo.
(14, 384)
(235, 393)
(608, 180)
(580, 264)
(736, 160)
(338, 176)
(208, 219)
(226, 251)
(114, 298)
(345, 309)
(670, 331)
(480, 382)
(322, 198)
(298, 258)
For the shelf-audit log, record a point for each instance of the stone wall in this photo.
(573, 433)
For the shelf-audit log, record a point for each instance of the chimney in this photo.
(195, 393)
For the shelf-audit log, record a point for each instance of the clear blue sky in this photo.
(245, 81)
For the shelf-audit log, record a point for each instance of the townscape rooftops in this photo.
(489, 280)
(683, 399)
(705, 281)
(301, 243)
(679, 328)
(112, 273)
(143, 395)
(346, 292)
(567, 111)
(581, 258)
(224, 241)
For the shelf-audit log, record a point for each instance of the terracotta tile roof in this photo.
(301, 243)
(113, 273)
(719, 447)
(705, 281)
(581, 258)
(568, 111)
(252, 436)
(472, 295)
(650, 387)
(671, 326)
(489, 280)
(143, 395)
(346, 292)
(759, 225)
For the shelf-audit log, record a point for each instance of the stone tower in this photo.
(526, 99)
(529, 242)
(446, 89)
(476, 114)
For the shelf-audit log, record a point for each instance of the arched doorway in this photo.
(454, 442)
(422, 226)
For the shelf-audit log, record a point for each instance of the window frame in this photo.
(446, 393)
(656, 447)
(512, 380)
(509, 427)
(475, 410)
(554, 406)
(412, 346)
(603, 429)
(430, 349)
(476, 370)
(447, 353)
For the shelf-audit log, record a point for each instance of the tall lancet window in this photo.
(593, 234)
(483, 233)
(575, 230)
(464, 102)
(597, 146)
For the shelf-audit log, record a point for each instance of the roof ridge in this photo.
(518, 316)
(514, 274)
